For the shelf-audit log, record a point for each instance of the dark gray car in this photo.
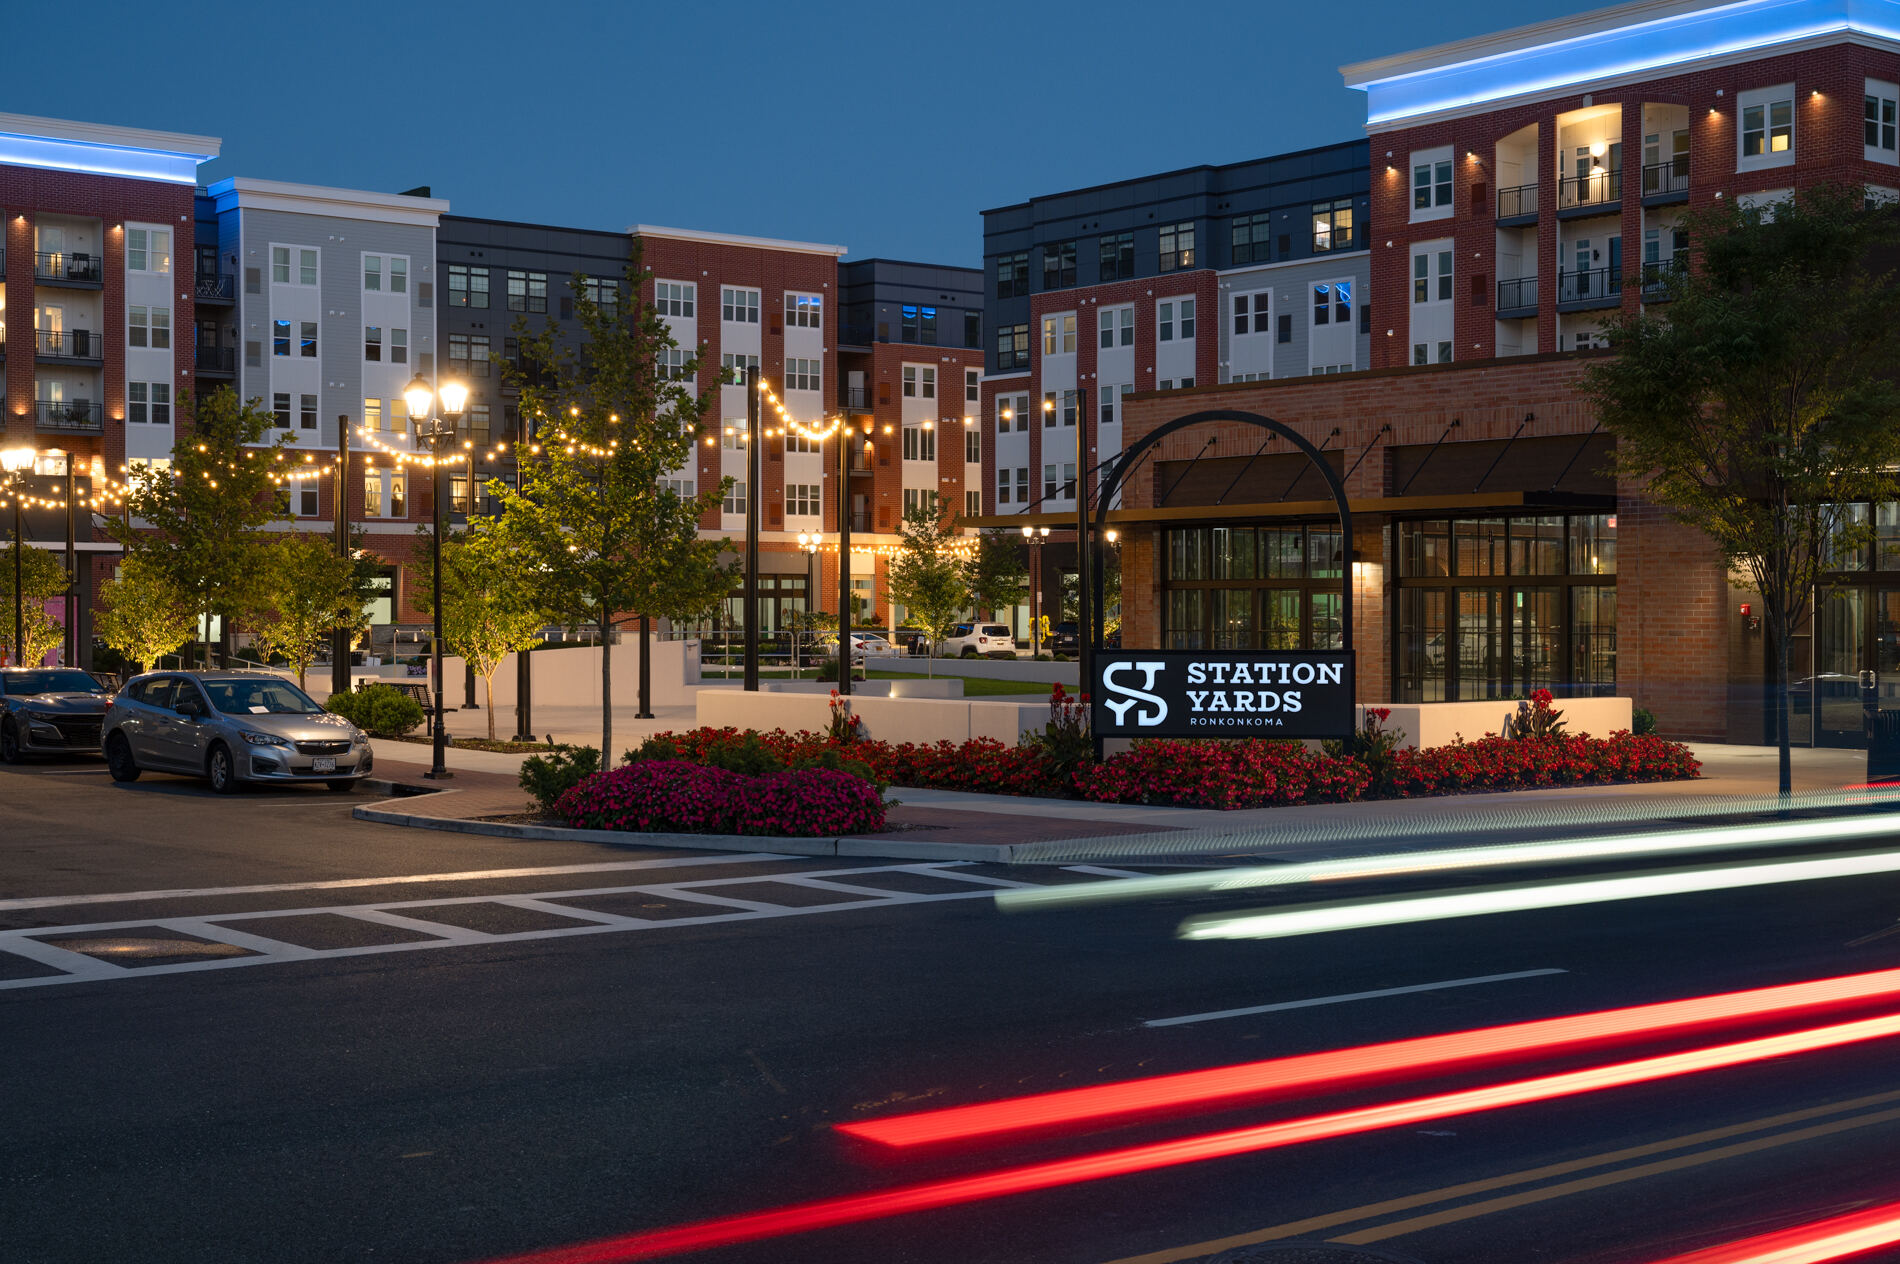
(50, 711)
(231, 727)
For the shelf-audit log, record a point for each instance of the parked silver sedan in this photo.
(231, 727)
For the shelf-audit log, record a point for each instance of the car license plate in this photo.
(323, 763)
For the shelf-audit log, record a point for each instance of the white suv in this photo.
(967, 640)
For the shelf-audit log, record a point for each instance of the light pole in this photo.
(16, 462)
(50, 463)
(438, 433)
(1037, 537)
(808, 541)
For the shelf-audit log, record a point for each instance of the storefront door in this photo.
(1840, 654)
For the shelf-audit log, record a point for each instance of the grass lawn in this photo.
(975, 686)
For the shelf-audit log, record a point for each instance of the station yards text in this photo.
(1261, 703)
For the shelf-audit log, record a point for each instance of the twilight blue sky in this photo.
(886, 128)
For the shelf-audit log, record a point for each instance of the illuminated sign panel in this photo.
(1221, 693)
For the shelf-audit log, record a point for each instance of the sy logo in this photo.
(1147, 717)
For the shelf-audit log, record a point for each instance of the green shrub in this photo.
(828, 670)
(1642, 721)
(380, 710)
(548, 777)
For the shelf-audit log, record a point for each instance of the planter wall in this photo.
(893, 720)
(1427, 724)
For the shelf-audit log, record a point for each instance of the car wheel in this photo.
(119, 761)
(969, 651)
(343, 785)
(219, 770)
(9, 743)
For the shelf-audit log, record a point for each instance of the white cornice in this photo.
(735, 239)
(248, 194)
(99, 149)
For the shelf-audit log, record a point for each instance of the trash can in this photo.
(1883, 746)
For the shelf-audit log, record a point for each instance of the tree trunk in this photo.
(488, 696)
(1783, 711)
(606, 693)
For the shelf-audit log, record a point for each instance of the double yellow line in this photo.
(1789, 1128)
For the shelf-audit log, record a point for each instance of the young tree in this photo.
(926, 574)
(200, 522)
(42, 578)
(490, 608)
(595, 520)
(145, 615)
(1760, 398)
(994, 572)
(305, 594)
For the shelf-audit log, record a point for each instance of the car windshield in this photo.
(259, 697)
(53, 680)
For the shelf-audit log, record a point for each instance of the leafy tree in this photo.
(490, 609)
(305, 594)
(201, 522)
(994, 573)
(925, 574)
(1761, 398)
(594, 519)
(145, 616)
(42, 578)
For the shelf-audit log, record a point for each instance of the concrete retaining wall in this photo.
(1430, 724)
(886, 719)
(571, 676)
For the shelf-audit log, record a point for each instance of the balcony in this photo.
(1599, 193)
(861, 522)
(1517, 206)
(1517, 298)
(59, 267)
(72, 416)
(1582, 291)
(216, 361)
(216, 287)
(68, 346)
(856, 399)
(1659, 278)
(1666, 182)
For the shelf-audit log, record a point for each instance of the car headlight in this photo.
(40, 717)
(358, 737)
(269, 739)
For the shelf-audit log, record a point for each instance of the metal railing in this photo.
(61, 265)
(1517, 201)
(1666, 177)
(855, 397)
(1659, 278)
(216, 285)
(1600, 188)
(217, 359)
(861, 523)
(69, 344)
(74, 416)
(1584, 287)
(1517, 292)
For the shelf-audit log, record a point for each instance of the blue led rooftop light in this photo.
(95, 149)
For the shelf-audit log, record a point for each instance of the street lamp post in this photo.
(51, 463)
(1037, 537)
(15, 462)
(438, 433)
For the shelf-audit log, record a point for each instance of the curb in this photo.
(889, 849)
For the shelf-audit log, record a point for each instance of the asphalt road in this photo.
(683, 1046)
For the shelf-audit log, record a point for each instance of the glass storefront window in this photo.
(1230, 553)
(1327, 634)
(1480, 546)
(1425, 549)
(1280, 619)
(1593, 544)
(1282, 553)
(1323, 554)
(1187, 554)
(1537, 546)
(1537, 639)
(1593, 639)
(1422, 665)
(1843, 547)
(1887, 535)
(1231, 622)
(1186, 624)
(1481, 643)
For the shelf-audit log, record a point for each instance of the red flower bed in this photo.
(1221, 774)
(1496, 763)
(679, 796)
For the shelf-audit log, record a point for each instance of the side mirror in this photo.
(190, 707)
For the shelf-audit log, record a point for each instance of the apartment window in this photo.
(1177, 247)
(468, 354)
(1012, 275)
(972, 386)
(1118, 256)
(604, 294)
(1117, 327)
(1113, 400)
(468, 287)
(372, 342)
(1431, 184)
(399, 346)
(918, 325)
(306, 412)
(679, 487)
(1058, 334)
(148, 250)
(1012, 410)
(1332, 225)
(804, 311)
(802, 500)
(736, 435)
(1059, 408)
(307, 339)
(280, 409)
(378, 505)
(1251, 239)
(1022, 484)
(1767, 131)
(306, 498)
(373, 415)
(1012, 348)
(1175, 318)
(802, 375)
(372, 272)
(797, 442)
(733, 368)
(1431, 276)
(280, 265)
(398, 275)
(927, 383)
(527, 291)
(280, 338)
(152, 326)
(973, 330)
(1284, 331)
(475, 424)
(972, 504)
(1332, 301)
(972, 445)
(1880, 107)
(1049, 482)
(136, 402)
(1253, 313)
(740, 306)
(674, 298)
(671, 363)
(734, 502)
(306, 267)
(1058, 265)
(1002, 487)
(920, 444)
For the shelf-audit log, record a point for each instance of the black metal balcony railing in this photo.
(217, 359)
(59, 265)
(1518, 292)
(1584, 287)
(856, 397)
(1600, 188)
(1518, 201)
(861, 523)
(70, 344)
(1666, 177)
(216, 285)
(856, 334)
(1659, 278)
(72, 416)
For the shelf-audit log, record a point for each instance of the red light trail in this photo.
(857, 1208)
(1834, 1239)
(1338, 1068)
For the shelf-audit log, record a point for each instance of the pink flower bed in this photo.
(678, 796)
